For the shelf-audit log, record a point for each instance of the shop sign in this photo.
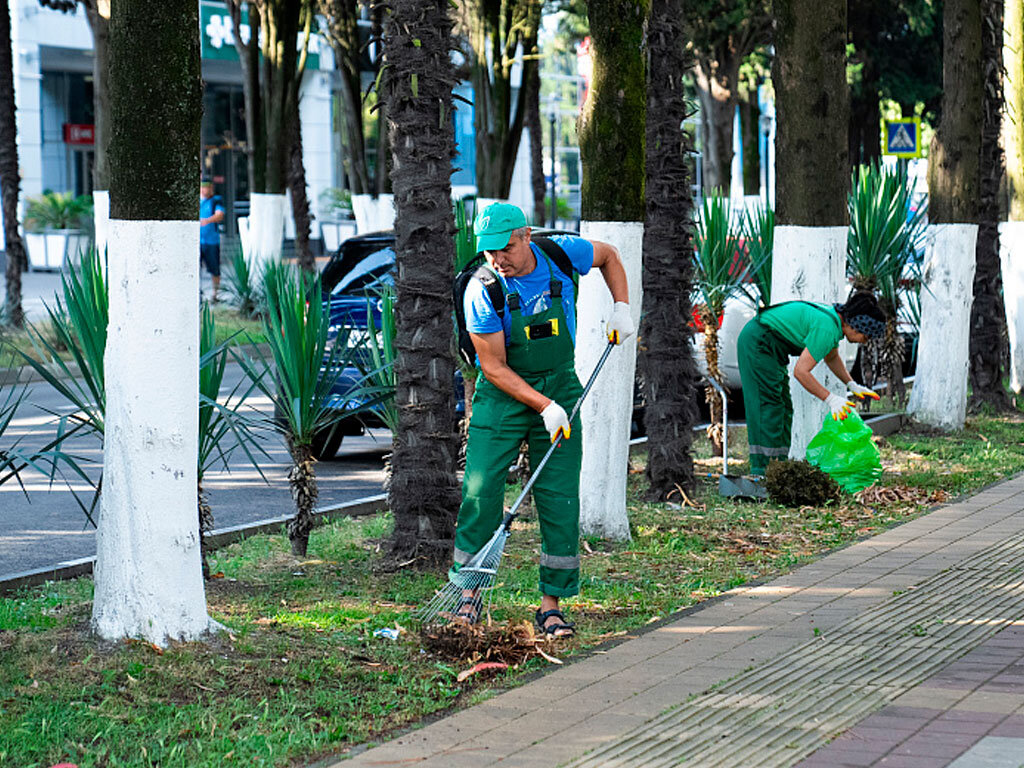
(218, 35)
(79, 134)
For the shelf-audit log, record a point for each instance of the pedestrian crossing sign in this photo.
(902, 138)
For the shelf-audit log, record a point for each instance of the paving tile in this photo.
(906, 761)
(984, 701)
(992, 752)
(1012, 727)
(930, 697)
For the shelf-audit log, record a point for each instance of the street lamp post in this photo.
(552, 121)
(766, 129)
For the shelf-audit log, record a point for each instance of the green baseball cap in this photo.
(495, 224)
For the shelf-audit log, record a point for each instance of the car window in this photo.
(374, 269)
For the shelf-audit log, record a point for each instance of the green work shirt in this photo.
(806, 324)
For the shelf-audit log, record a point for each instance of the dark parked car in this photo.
(354, 274)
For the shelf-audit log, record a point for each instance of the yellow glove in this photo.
(620, 327)
(839, 406)
(555, 421)
(859, 390)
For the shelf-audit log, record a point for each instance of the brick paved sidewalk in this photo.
(912, 633)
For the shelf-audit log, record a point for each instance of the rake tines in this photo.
(475, 580)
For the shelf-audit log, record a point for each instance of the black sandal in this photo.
(472, 616)
(553, 630)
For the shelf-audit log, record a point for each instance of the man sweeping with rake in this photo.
(527, 380)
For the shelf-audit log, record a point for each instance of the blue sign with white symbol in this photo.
(902, 138)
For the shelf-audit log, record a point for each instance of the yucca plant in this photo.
(380, 372)
(884, 238)
(759, 239)
(218, 420)
(58, 210)
(78, 324)
(12, 461)
(242, 286)
(722, 270)
(298, 381)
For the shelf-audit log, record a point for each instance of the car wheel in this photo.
(326, 443)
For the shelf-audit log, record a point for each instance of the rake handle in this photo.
(513, 513)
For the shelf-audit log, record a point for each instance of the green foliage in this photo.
(58, 210)
(299, 379)
(465, 237)
(242, 288)
(380, 374)
(884, 236)
(797, 483)
(12, 461)
(759, 238)
(79, 326)
(336, 202)
(562, 208)
(218, 420)
(721, 266)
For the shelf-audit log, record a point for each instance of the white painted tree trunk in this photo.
(608, 409)
(373, 214)
(1011, 255)
(101, 221)
(939, 395)
(267, 214)
(810, 265)
(148, 572)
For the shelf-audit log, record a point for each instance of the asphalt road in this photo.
(49, 527)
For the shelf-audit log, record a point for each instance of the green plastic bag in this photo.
(844, 450)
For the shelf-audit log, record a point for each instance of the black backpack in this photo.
(477, 268)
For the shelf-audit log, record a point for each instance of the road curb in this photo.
(220, 537)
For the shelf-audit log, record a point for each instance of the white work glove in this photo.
(859, 390)
(620, 327)
(555, 420)
(839, 406)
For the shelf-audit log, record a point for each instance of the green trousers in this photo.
(763, 358)
(497, 428)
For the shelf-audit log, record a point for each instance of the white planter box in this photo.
(51, 249)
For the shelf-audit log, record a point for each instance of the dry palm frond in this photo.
(877, 495)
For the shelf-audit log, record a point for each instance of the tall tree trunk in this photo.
(611, 130)
(148, 563)
(495, 31)
(750, 131)
(98, 14)
(382, 180)
(939, 396)
(249, 56)
(300, 200)
(988, 316)
(423, 491)
(865, 121)
(667, 363)
(10, 179)
(717, 84)
(535, 131)
(342, 32)
(1012, 231)
(813, 178)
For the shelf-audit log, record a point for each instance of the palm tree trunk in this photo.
(423, 492)
(666, 359)
(205, 526)
(302, 479)
(297, 186)
(9, 178)
(988, 345)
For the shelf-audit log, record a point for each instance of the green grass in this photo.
(300, 674)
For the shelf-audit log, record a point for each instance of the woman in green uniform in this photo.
(811, 332)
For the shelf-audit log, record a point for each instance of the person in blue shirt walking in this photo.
(211, 213)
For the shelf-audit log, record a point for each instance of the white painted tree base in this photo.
(607, 411)
(810, 265)
(939, 395)
(373, 214)
(101, 221)
(265, 237)
(148, 572)
(1011, 255)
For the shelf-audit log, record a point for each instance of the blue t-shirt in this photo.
(534, 289)
(208, 233)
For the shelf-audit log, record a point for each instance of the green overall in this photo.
(540, 350)
(763, 355)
